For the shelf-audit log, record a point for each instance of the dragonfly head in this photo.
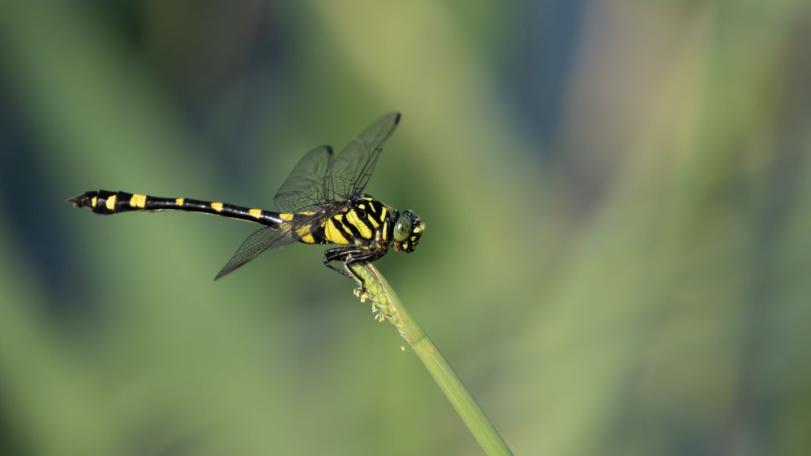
(407, 231)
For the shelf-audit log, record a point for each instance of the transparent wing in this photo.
(309, 184)
(259, 241)
(353, 167)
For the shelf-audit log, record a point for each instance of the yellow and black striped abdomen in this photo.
(104, 202)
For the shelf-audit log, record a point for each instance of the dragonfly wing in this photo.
(309, 184)
(259, 241)
(353, 167)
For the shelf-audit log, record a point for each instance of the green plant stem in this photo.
(387, 306)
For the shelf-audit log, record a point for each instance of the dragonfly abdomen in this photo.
(105, 202)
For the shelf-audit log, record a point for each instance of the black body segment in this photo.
(105, 202)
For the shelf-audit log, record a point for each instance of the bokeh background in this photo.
(617, 195)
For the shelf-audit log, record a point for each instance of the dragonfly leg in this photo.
(339, 254)
(348, 256)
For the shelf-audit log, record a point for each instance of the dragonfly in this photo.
(322, 201)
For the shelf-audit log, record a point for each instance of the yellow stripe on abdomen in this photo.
(110, 203)
(304, 233)
(138, 201)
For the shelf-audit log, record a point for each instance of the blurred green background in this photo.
(617, 195)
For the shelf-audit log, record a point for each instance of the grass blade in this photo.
(387, 306)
